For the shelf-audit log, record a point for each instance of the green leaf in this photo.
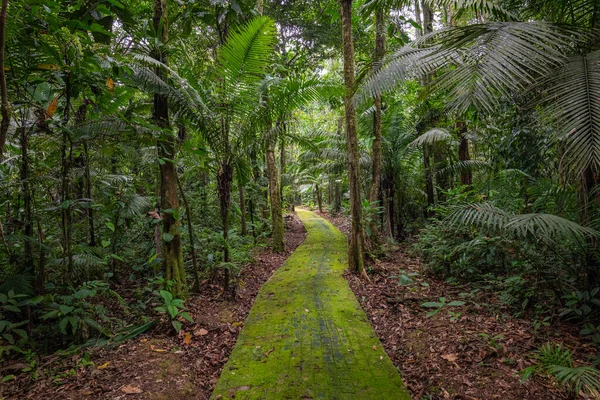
(172, 311)
(65, 309)
(167, 237)
(62, 325)
(8, 378)
(167, 296)
(110, 226)
(186, 316)
(116, 3)
(12, 308)
(432, 304)
(161, 310)
(177, 325)
(456, 303)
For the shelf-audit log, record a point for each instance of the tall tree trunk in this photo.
(188, 215)
(440, 162)
(427, 17)
(591, 204)
(356, 247)
(88, 193)
(466, 176)
(418, 19)
(375, 192)
(26, 191)
(428, 180)
(224, 183)
(242, 209)
(40, 280)
(4, 106)
(172, 254)
(275, 197)
(319, 198)
(282, 163)
(66, 216)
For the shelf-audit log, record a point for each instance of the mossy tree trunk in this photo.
(356, 247)
(169, 201)
(375, 192)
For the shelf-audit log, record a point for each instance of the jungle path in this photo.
(306, 336)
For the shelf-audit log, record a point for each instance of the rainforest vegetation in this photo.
(150, 149)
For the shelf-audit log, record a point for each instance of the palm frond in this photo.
(485, 7)
(480, 64)
(572, 97)
(242, 61)
(465, 166)
(435, 135)
(547, 226)
(481, 216)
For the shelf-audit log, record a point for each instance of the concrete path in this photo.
(306, 336)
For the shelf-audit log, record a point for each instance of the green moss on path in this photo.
(306, 336)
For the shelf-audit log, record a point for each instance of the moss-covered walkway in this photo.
(306, 336)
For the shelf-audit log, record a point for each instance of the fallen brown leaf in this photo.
(130, 389)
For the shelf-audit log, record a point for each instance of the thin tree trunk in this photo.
(88, 193)
(224, 182)
(26, 191)
(466, 176)
(242, 209)
(439, 159)
(319, 198)
(40, 281)
(275, 197)
(188, 215)
(172, 253)
(428, 180)
(4, 106)
(356, 247)
(67, 222)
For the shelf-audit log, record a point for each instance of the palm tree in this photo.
(532, 63)
(357, 240)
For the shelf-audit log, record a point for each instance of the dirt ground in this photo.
(157, 365)
(467, 352)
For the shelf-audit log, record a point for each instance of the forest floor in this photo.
(158, 365)
(465, 353)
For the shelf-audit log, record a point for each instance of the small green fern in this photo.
(557, 361)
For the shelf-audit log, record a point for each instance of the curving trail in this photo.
(306, 336)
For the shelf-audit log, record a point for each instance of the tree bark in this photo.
(4, 106)
(375, 192)
(188, 215)
(224, 183)
(172, 254)
(319, 198)
(466, 176)
(275, 197)
(242, 209)
(419, 21)
(356, 247)
(428, 180)
(26, 192)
